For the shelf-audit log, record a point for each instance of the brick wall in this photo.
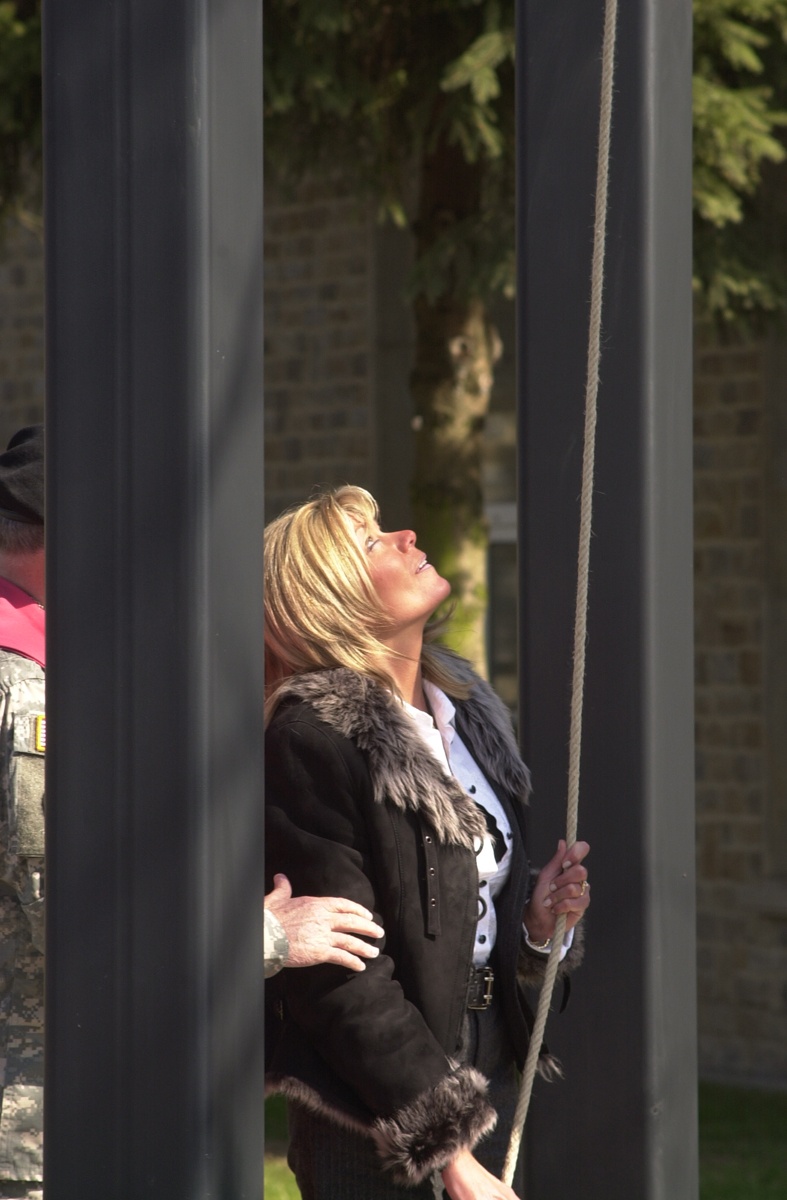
(319, 320)
(21, 330)
(742, 934)
(319, 316)
(325, 325)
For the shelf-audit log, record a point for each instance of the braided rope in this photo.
(583, 568)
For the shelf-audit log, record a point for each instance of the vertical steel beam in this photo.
(624, 1121)
(154, 523)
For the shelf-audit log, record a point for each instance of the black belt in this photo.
(479, 995)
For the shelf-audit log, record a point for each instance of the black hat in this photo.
(22, 477)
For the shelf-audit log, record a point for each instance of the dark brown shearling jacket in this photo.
(358, 807)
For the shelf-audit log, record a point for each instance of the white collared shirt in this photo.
(493, 854)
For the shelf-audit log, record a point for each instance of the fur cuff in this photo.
(424, 1136)
(532, 966)
(549, 1067)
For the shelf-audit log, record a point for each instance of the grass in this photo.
(743, 1146)
(279, 1179)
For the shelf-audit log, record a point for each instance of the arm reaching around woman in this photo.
(307, 930)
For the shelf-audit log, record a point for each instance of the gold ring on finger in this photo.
(584, 887)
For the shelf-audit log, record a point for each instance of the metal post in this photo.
(154, 525)
(624, 1121)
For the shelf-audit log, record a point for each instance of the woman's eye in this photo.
(370, 541)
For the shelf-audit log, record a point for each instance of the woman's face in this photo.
(406, 582)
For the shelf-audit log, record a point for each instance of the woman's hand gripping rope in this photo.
(562, 887)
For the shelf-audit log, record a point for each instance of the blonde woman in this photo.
(393, 778)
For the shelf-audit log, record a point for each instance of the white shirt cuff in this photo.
(568, 942)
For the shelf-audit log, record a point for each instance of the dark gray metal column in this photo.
(623, 1124)
(154, 526)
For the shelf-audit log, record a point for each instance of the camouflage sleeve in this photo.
(276, 946)
(22, 749)
(35, 912)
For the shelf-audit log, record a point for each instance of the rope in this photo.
(583, 568)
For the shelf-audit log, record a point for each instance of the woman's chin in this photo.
(446, 589)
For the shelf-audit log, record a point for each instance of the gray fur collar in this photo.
(402, 770)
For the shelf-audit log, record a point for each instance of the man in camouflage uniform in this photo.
(22, 746)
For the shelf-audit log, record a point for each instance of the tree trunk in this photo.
(451, 383)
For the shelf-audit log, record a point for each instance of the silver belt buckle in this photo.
(483, 980)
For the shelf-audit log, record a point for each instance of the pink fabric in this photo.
(22, 623)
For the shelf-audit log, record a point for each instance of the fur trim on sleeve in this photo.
(532, 966)
(425, 1135)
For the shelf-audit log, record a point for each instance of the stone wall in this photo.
(21, 330)
(742, 897)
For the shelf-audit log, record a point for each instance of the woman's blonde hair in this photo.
(321, 607)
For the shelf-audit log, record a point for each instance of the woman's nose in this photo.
(405, 538)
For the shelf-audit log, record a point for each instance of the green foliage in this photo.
(478, 66)
(740, 110)
(479, 251)
(734, 135)
(20, 104)
(371, 90)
